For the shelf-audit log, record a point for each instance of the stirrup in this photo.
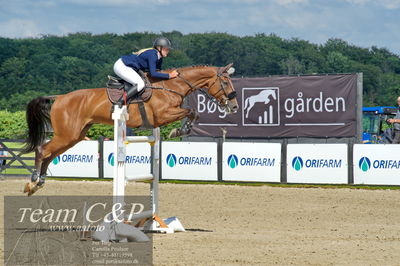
(121, 102)
(131, 92)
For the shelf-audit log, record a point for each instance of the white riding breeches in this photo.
(128, 74)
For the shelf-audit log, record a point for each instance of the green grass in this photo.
(14, 145)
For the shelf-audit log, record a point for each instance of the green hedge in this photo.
(13, 126)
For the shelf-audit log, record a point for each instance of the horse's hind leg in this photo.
(46, 153)
(38, 162)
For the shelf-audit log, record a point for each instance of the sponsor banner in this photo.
(189, 160)
(249, 161)
(79, 161)
(137, 159)
(376, 164)
(283, 106)
(317, 163)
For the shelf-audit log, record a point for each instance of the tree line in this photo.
(59, 64)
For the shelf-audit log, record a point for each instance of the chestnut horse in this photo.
(72, 114)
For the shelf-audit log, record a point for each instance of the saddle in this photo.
(116, 88)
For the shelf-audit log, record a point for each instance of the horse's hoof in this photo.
(176, 132)
(34, 189)
(26, 188)
(31, 187)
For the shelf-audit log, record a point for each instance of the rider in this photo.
(149, 59)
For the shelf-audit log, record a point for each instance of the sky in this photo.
(363, 23)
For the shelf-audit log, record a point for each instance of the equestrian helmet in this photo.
(163, 42)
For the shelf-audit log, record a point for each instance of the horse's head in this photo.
(221, 88)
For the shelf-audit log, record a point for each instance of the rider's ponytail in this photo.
(142, 51)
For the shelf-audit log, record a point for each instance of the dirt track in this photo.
(262, 225)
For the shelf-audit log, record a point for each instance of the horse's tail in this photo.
(246, 103)
(38, 119)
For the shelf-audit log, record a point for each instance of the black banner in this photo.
(284, 106)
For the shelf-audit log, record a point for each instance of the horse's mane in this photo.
(189, 67)
(180, 69)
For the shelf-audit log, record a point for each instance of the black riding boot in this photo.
(130, 93)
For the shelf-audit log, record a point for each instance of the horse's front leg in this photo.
(191, 116)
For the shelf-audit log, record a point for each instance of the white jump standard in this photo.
(150, 221)
(120, 116)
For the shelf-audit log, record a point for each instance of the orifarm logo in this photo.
(364, 164)
(73, 158)
(110, 159)
(234, 161)
(172, 160)
(57, 160)
(298, 163)
(130, 159)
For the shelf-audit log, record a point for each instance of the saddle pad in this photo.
(114, 94)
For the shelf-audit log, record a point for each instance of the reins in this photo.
(201, 90)
(191, 86)
(166, 89)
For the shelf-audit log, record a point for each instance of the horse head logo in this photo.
(263, 96)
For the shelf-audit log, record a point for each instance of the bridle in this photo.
(224, 84)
